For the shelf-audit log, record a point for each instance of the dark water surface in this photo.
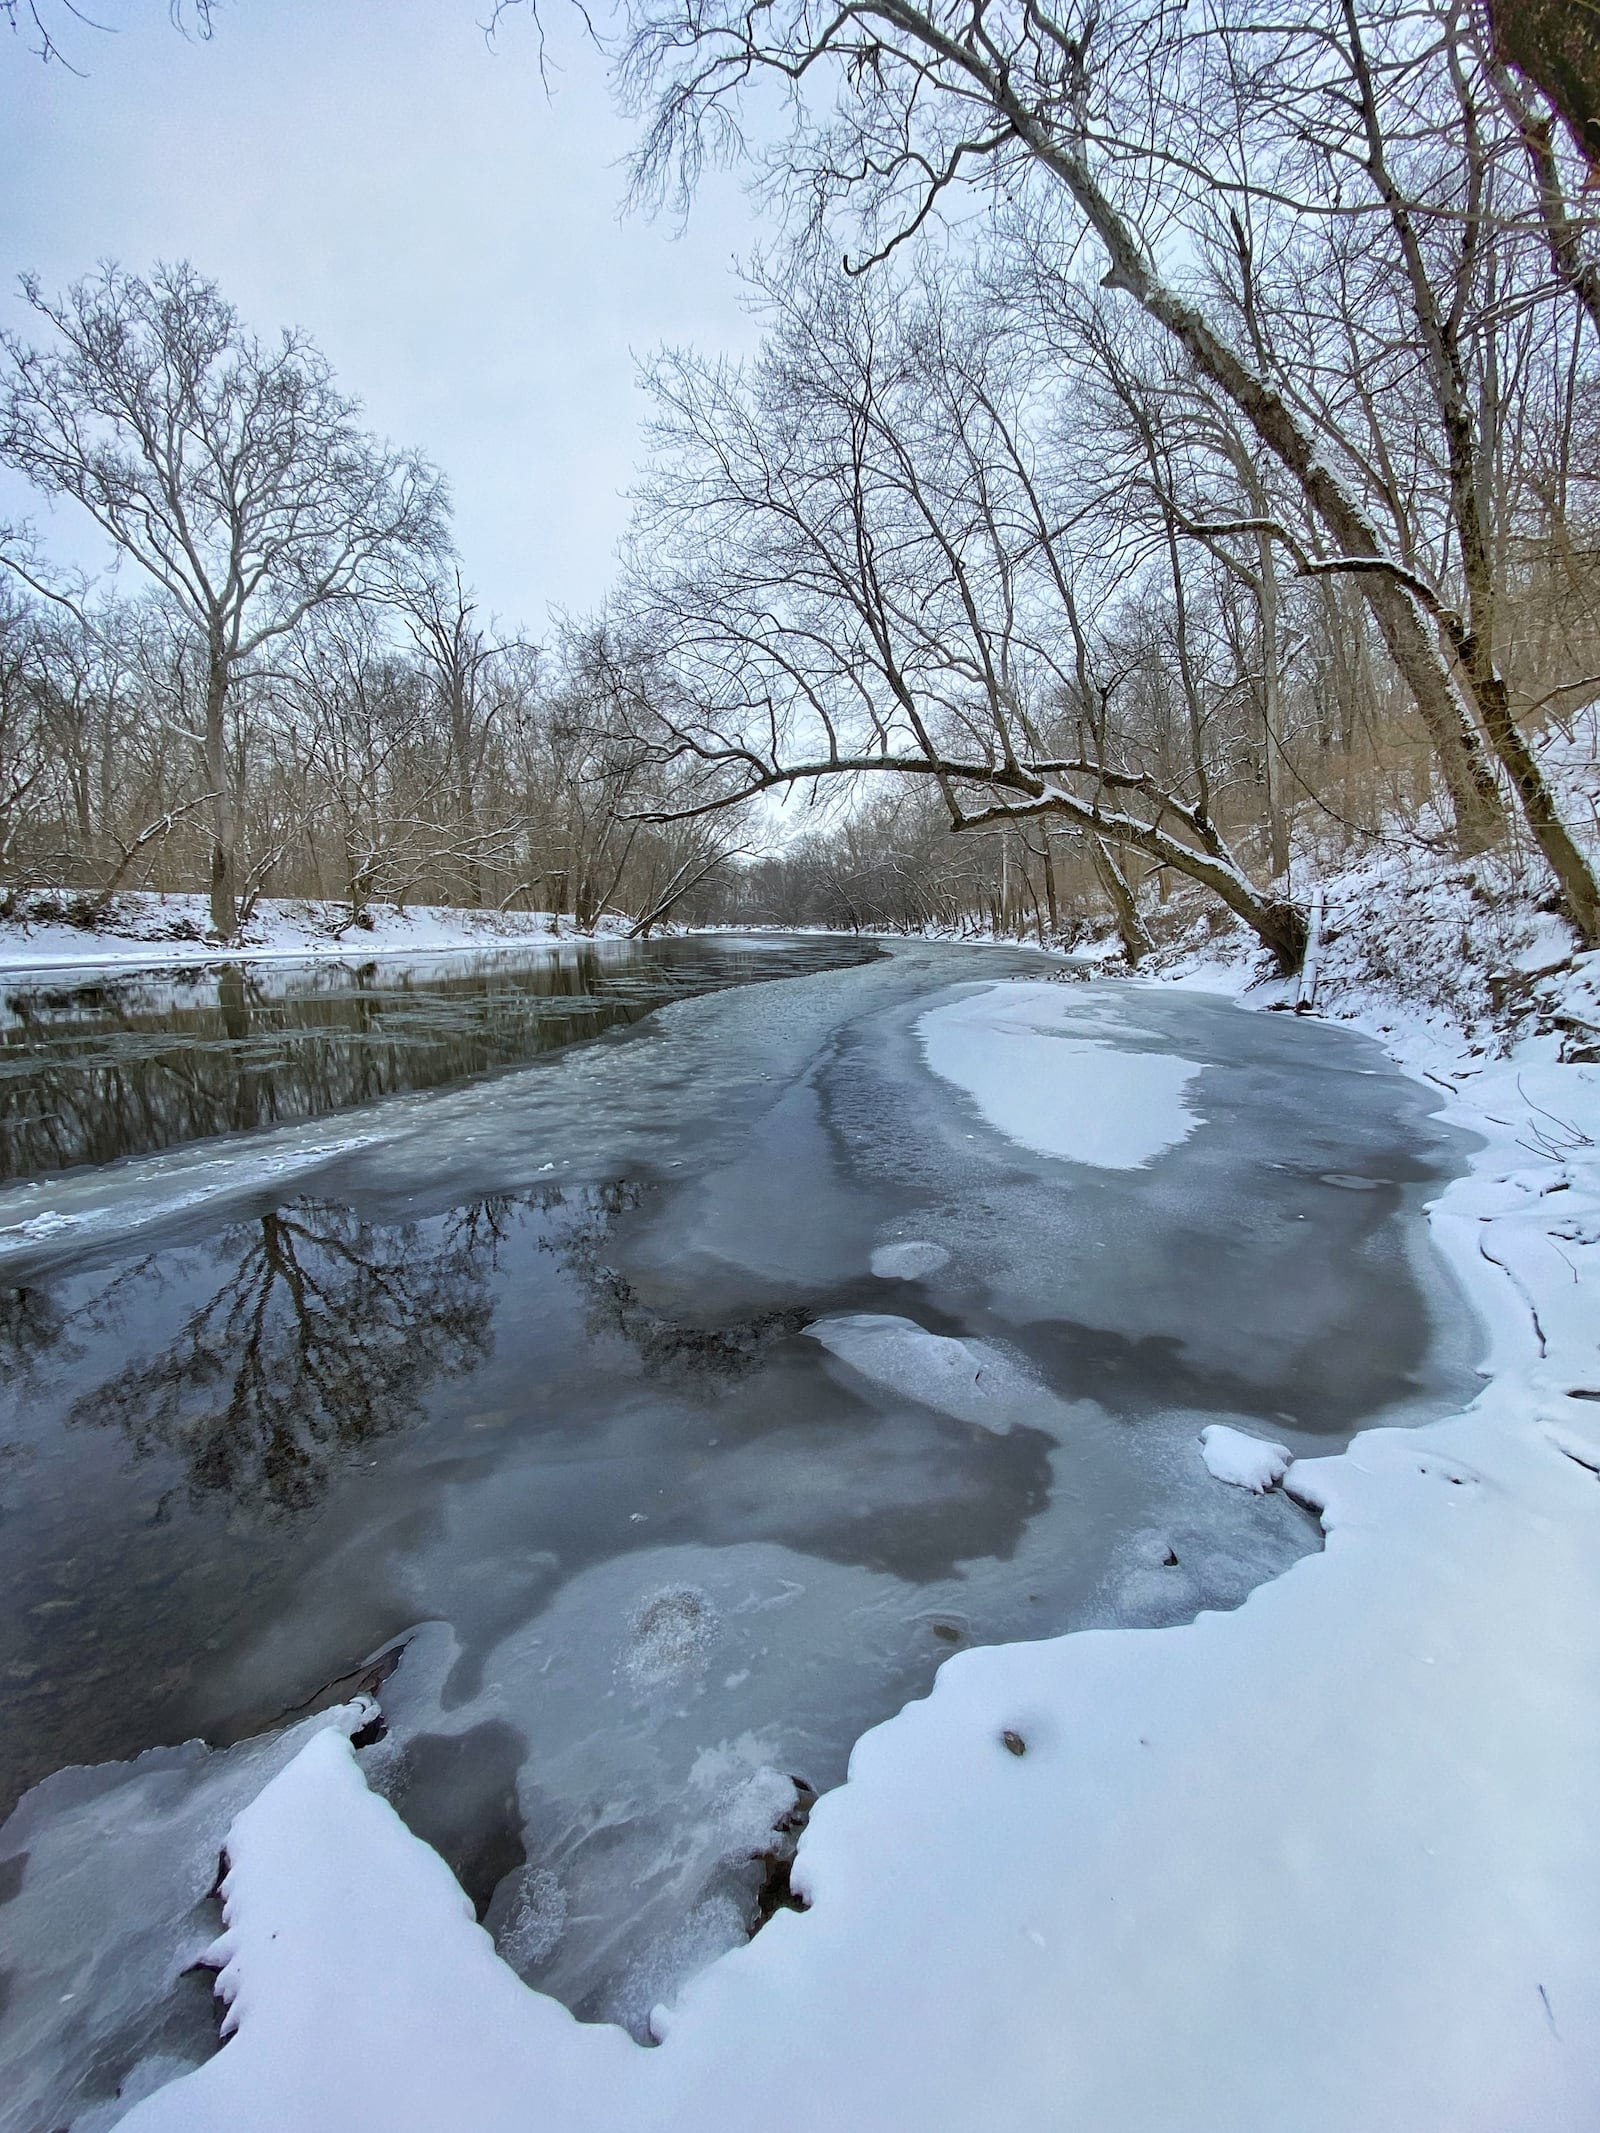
(518, 1375)
(125, 1064)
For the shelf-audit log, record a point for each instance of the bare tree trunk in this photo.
(1136, 941)
(1467, 452)
(1575, 878)
(466, 810)
(1272, 711)
(1468, 778)
(224, 864)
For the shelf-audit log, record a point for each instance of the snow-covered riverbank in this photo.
(1328, 1861)
(143, 931)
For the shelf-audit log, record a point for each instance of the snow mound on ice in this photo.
(908, 1261)
(1247, 1462)
(116, 1864)
(968, 1380)
(1012, 1050)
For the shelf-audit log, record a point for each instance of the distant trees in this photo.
(346, 759)
(308, 680)
(231, 470)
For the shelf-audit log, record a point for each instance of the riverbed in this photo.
(647, 1418)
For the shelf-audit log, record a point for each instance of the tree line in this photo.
(302, 696)
(1173, 449)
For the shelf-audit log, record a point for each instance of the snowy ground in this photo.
(1329, 1861)
(147, 931)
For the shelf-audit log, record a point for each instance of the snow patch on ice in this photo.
(968, 1380)
(1247, 1462)
(1013, 1050)
(908, 1261)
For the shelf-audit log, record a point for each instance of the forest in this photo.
(1187, 484)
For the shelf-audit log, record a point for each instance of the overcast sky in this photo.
(372, 171)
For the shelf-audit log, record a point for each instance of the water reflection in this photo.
(90, 1073)
(313, 1333)
(263, 1426)
(244, 1375)
(31, 1327)
(321, 1337)
(664, 1345)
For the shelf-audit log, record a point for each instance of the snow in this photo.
(1248, 1462)
(110, 1908)
(146, 931)
(1011, 1049)
(972, 1381)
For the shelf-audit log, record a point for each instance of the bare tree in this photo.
(231, 470)
(475, 675)
(41, 22)
(852, 564)
(1098, 100)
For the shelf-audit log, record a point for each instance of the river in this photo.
(662, 1408)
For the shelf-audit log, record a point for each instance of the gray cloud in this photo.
(373, 171)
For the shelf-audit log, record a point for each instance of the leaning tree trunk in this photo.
(1277, 921)
(1580, 895)
(1131, 929)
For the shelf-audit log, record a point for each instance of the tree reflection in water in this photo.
(31, 1328)
(323, 1336)
(665, 1346)
(118, 1067)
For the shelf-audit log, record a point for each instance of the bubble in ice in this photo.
(669, 1637)
(642, 2002)
(908, 1261)
(528, 1915)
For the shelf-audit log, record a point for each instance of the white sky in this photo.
(372, 171)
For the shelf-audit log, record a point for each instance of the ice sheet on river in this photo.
(1018, 1052)
(688, 1555)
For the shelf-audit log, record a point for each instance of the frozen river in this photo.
(660, 1414)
